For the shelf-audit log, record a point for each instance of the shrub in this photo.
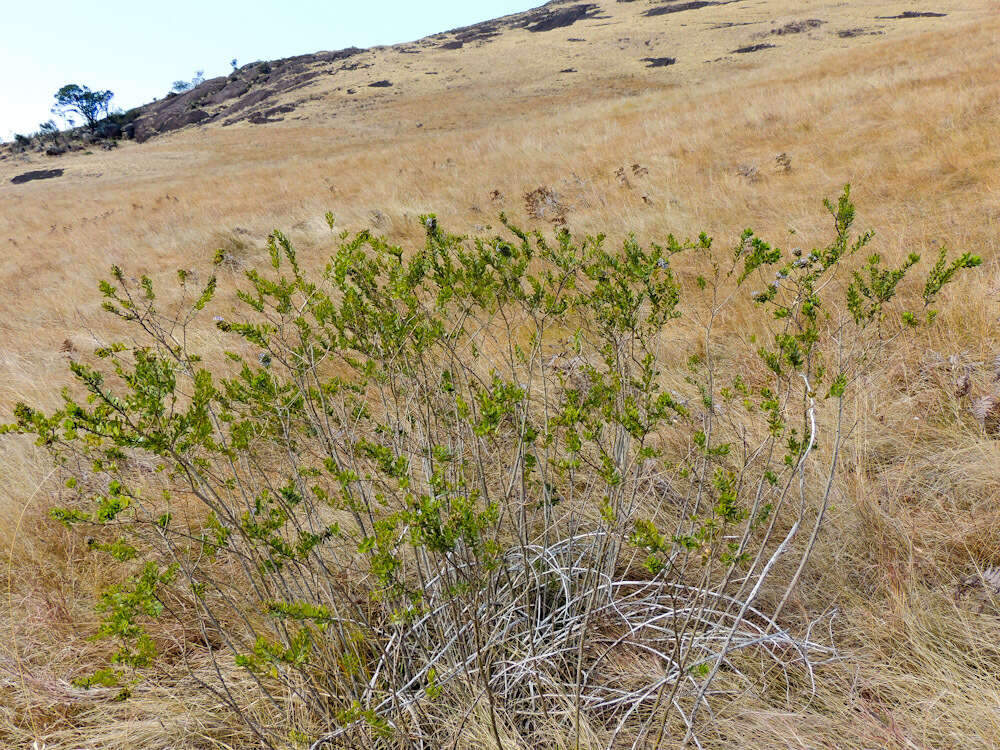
(124, 118)
(472, 477)
(180, 86)
(48, 129)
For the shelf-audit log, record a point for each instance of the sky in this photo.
(138, 49)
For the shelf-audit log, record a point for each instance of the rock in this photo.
(795, 27)
(38, 174)
(916, 14)
(662, 10)
(753, 48)
(195, 115)
(232, 90)
(234, 97)
(108, 129)
(659, 62)
(545, 19)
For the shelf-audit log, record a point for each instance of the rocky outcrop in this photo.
(243, 95)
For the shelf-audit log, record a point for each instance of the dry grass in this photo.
(909, 117)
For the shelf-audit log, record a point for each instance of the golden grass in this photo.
(909, 117)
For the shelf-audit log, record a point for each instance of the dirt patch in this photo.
(38, 174)
(753, 48)
(916, 14)
(659, 62)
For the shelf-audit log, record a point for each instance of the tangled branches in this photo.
(476, 480)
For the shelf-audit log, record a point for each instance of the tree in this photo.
(180, 86)
(80, 99)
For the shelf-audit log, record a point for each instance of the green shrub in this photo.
(476, 472)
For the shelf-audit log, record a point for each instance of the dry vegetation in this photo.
(908, 117)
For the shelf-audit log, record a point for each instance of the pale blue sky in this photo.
(139, 48)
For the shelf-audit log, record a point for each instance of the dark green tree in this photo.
(91, 105)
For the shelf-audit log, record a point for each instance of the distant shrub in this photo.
(545, 204)
(48, 129)
(180, 86)
(473, 477)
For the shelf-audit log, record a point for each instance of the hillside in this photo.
(642, 116)
(547, 44)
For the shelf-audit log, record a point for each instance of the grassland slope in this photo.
(653, 117)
